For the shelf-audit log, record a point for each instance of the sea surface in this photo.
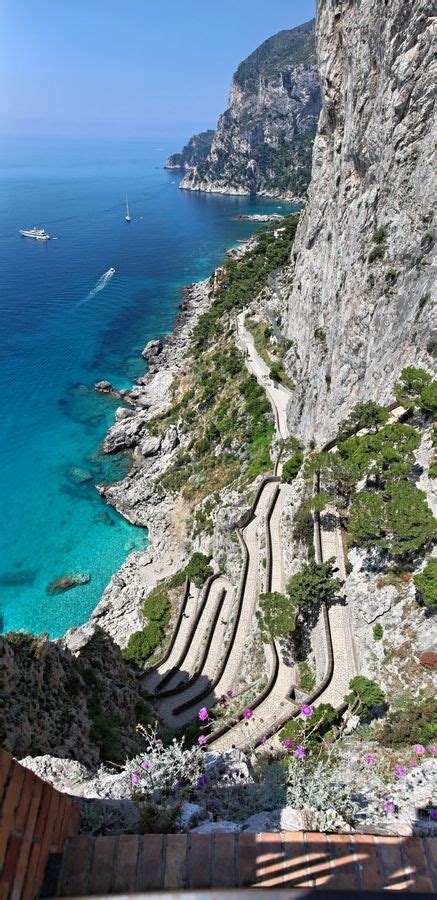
(65, 324)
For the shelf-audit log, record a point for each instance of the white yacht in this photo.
(38, 233)
(127, 216)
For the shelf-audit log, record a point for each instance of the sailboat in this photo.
(127, 216)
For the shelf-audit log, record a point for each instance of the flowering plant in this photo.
(161, 772)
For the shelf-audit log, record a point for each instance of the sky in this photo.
(146, 68)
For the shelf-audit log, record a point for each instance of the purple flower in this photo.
(135, 778)
(203, 714)
(400, 771)
(201, 781)
(432, 749)
(145, 764)
(306, 711)
(370, 758)
(418, 749)
(180, 783)
(300, 752)
(248, 713)
(158, 741)
(412, 762)
(287, 743)
(262, 741)
(230, 692)
(389, 806)
(201, 739)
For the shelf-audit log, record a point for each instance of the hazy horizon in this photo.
(94, 71)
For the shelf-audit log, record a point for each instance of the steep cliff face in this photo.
(263, 141)
(194, 152)
(360, 304)
(73, 698)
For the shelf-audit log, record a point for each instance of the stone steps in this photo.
(127, 864)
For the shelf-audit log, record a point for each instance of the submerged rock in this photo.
(78, 475)
(21, 576)
(66, 582)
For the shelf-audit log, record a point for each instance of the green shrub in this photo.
(414, 723)
(366, 414)
(156, 607)
(142, 644)
(276, 614)
(314, 584)
(410, 385)
(377, 252)
(292, 467)
(320, 501)
(378, 631)
(367, 693)
(198, 569)
(426, 583)
(378, 236)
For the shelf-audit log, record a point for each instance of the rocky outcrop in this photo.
(361, 277)
(263, 141)
(194, 152)
(72, 698)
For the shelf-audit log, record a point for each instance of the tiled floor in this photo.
(132, 863)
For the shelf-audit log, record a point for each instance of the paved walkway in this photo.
(277, 706)
(338, 613)
(276, 394)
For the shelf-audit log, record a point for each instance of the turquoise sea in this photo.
(59, 335)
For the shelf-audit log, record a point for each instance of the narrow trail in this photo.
(206, 656)
(277, 395)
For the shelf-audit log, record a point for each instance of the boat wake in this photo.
(101, 284)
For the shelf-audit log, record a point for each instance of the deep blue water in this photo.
(57, 340)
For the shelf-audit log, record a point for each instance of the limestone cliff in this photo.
(73, 698)
(361, 297)
(263, 141)
(194, 152)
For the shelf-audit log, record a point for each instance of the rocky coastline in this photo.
(136, 497)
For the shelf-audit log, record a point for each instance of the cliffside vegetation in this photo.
(390, 511)
(222, 410)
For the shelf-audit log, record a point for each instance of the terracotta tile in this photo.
(48, 796)
(34, 875)
(393, 868)
(295, 867)
(413, 851)
(9, 868)
(102, 865)
(371, 872)
(9, 805)
(175, 861)
(247, 858)
(199, 865)
(26, 846)
(430, 847)
(150, 865)
(74, 870)
(125, 874)
(223, 860)
(319, 859)
(269, 860)
(24, 802)
(5, 767)
(346, 870)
